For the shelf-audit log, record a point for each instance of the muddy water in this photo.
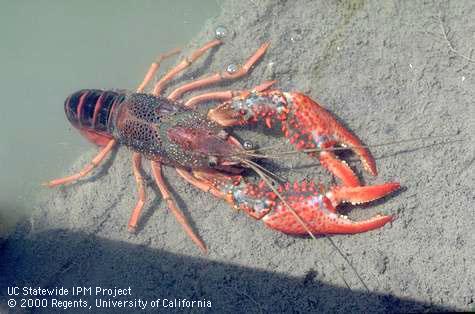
(51, 48)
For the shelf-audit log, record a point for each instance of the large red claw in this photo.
(315, 209)
(313, 126)
(319, 213)
(305, 123)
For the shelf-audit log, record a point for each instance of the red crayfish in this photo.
(168, 131)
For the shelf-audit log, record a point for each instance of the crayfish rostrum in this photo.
(170, 131)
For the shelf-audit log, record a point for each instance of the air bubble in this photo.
(232, 68)
(220, 32)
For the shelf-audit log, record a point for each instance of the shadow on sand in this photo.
(60, 258)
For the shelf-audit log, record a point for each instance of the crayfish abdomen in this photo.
(90, 111)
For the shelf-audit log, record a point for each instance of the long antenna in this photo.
(278, 155)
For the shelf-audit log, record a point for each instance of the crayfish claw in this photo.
(318, 211)
(319, 129)
(316, 208)
(306, 124)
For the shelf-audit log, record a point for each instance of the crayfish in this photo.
(170, 131)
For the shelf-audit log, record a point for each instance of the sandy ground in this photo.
(385, 69)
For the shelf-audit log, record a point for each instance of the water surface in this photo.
(52, 48)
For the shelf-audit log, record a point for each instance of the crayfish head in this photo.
(204, 148)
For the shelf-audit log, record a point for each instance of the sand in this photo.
(386, 70)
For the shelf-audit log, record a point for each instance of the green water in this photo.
(49, 49)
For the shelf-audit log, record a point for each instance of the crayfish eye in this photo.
(212, 161)
(248, 145)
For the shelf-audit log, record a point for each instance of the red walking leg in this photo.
(183, 65)
(136, 167)
(224, 95)
(180, 217)
(154, 68)
(88, 168)
(218, 77)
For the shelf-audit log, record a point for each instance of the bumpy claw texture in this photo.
(317, 209)
(304, 122)
(310, 202)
